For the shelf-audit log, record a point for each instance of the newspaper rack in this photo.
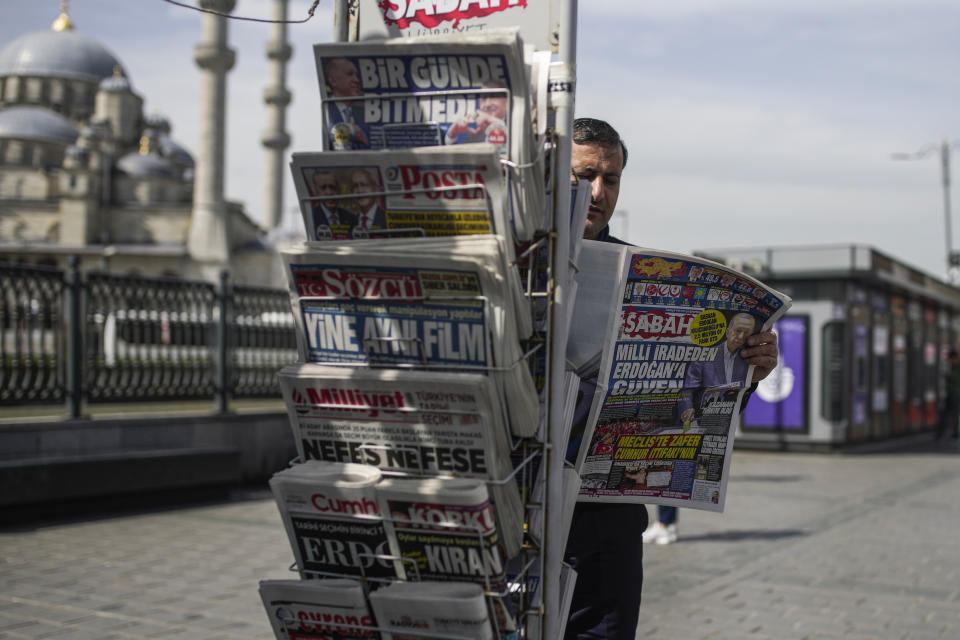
(535, 573)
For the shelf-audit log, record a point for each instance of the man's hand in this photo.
(761, 352)
(357, 134)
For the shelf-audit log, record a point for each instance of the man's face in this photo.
(360, 182)
(601, 166)
(343, 78)
(494, 105)
(738, 331)
(326, 185)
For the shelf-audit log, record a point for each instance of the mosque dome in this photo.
(35, 123)
(145, 165)
(175, 151)
(58, 54)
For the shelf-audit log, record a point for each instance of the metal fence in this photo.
(75, 338)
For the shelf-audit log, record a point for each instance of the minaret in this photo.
(275, 138)
(208, 241)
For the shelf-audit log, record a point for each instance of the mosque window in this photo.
(56, 95)
(34, 90)
(14, 152)
(11, 92)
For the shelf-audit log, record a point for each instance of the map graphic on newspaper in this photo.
(670, 379)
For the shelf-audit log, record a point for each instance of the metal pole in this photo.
(223, 353)
(75, 329)
(952, 260)
(562, 97)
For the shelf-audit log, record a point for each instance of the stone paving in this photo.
(810, 546)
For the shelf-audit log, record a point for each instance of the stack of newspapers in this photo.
(421, 309)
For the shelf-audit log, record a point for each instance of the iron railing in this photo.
(76, 338)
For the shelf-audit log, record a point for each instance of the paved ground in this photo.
(810, 546)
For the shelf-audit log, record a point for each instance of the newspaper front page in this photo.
(332, 519)
(416, 308)
(317, 609)
(443, 191)
(406, 92)
(670, 379)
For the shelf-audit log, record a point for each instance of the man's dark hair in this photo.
(597, 132)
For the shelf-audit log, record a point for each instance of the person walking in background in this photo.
(947, 425)
(664, 530)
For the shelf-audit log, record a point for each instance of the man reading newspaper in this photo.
(604, 544)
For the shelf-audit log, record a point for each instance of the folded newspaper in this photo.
(419, 92)
(662, 333)
(446, 531)
(332, 519)
(443, 304)
(317, 609)
(434, 191)
(416, 423)
(432, 610)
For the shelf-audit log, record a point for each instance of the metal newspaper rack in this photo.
(537, 597)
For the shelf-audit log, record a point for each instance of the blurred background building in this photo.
(85, 171)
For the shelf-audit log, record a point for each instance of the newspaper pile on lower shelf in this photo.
(317, 609)
(416, 423)
(662, 336)
(445, 530)
(431, 610)
(333, 521)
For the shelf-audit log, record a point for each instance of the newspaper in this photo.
(446, 531)
(404, 92)
(662, 332)
(539, 20)
(444, 304)
(417, 423)
(436, 191)
(332, 519)
(431, 610)
(317, 609)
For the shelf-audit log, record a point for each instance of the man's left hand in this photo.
(761, 352)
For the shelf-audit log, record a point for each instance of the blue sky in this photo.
(751, 123)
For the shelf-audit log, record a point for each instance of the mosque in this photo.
(83, 171)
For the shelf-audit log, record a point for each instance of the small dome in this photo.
(172, 150)
(145, 165)
(36, 123)
(58, 54)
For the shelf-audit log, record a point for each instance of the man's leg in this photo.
(605, 549)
